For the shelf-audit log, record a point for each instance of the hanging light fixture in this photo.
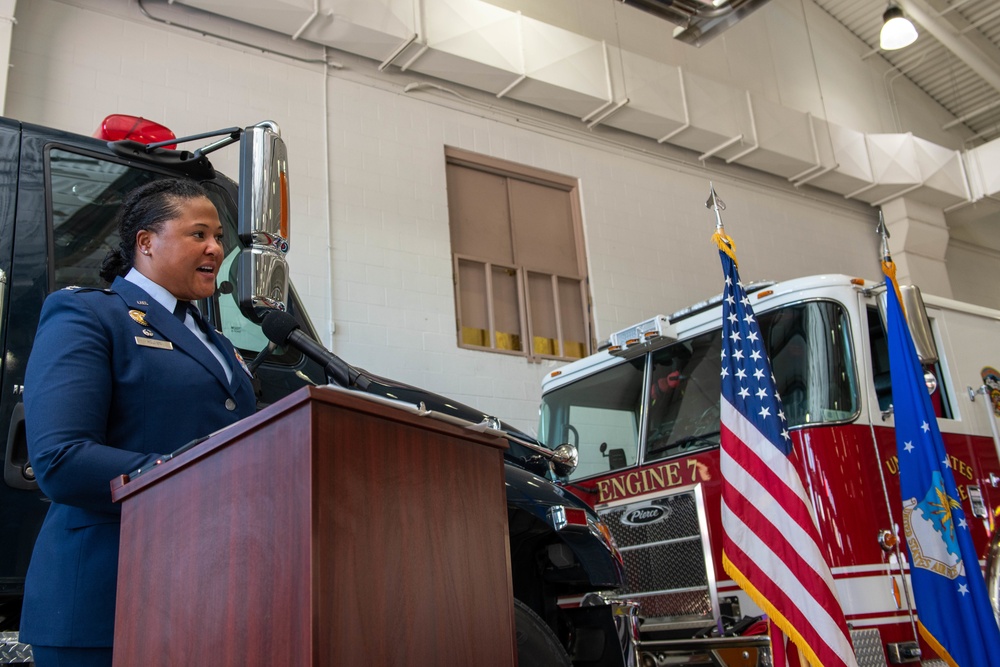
(897, 30)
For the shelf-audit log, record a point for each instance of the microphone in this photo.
(282, 329)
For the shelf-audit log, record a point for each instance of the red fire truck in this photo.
(644, 414)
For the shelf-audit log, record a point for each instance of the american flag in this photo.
(770, 545)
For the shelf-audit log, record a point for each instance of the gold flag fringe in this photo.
(889, 269)
(726, 245)
(777, 618)
(936, 645)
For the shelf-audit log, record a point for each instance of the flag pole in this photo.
(726, 244)
(883, 232)
(888, 266)
(889, 269)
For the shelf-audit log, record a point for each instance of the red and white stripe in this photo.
(771, 545)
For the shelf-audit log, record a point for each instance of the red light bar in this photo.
(120, 126)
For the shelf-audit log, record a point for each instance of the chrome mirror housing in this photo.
(564, 459)
(263, 221)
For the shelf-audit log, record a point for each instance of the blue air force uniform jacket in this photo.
(114, 380)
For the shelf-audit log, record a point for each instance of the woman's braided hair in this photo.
(146, 207)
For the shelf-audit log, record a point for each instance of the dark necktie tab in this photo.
(181, 309)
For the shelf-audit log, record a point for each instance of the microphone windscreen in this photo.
(278, 326)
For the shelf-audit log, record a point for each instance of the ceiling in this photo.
(554, 55)
(955, 60)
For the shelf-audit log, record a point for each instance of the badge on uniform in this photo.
(152, 342)
(139, 317)
(243, 364)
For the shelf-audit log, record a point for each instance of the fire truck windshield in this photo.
(627, 412)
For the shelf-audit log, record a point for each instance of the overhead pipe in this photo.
(852, 195)
(597, 111)
(395, 54)
(926, 16)
(512, 85)
(972, 114)
(421, 51)
(813, 177)
(226, 38)
(979, 135)
(954, 6)
(607, 114)
(418, 28)
(724, 145)
(896, 195)
(308, 20)
(985, 18)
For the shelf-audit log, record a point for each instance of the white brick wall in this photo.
(370, 250)
(73, 65)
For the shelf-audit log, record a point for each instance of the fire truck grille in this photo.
(666, 559)
(669, 566)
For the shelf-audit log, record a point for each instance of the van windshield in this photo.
(668, 399)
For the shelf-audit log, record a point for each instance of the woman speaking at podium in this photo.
(116, 378)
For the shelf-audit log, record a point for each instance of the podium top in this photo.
(374, 405)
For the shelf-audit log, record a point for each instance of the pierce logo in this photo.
(642, 516)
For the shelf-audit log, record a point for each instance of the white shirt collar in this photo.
(160, 294)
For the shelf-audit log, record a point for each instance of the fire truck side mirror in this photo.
(263, 225)
(917, 321)
(565, 458)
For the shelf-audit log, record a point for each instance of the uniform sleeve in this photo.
(67, 395)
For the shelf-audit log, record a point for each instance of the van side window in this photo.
(880, 371)
(86, 194)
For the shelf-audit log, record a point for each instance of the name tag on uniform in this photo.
(150, 342)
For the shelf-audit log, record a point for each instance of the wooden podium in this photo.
(326, 530)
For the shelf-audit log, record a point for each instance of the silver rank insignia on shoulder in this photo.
(139, 317)
(152, 342)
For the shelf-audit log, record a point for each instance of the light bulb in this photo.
(897, 31)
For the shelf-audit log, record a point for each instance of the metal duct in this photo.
(698, 21)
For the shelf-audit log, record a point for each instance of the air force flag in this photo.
(955, 615)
